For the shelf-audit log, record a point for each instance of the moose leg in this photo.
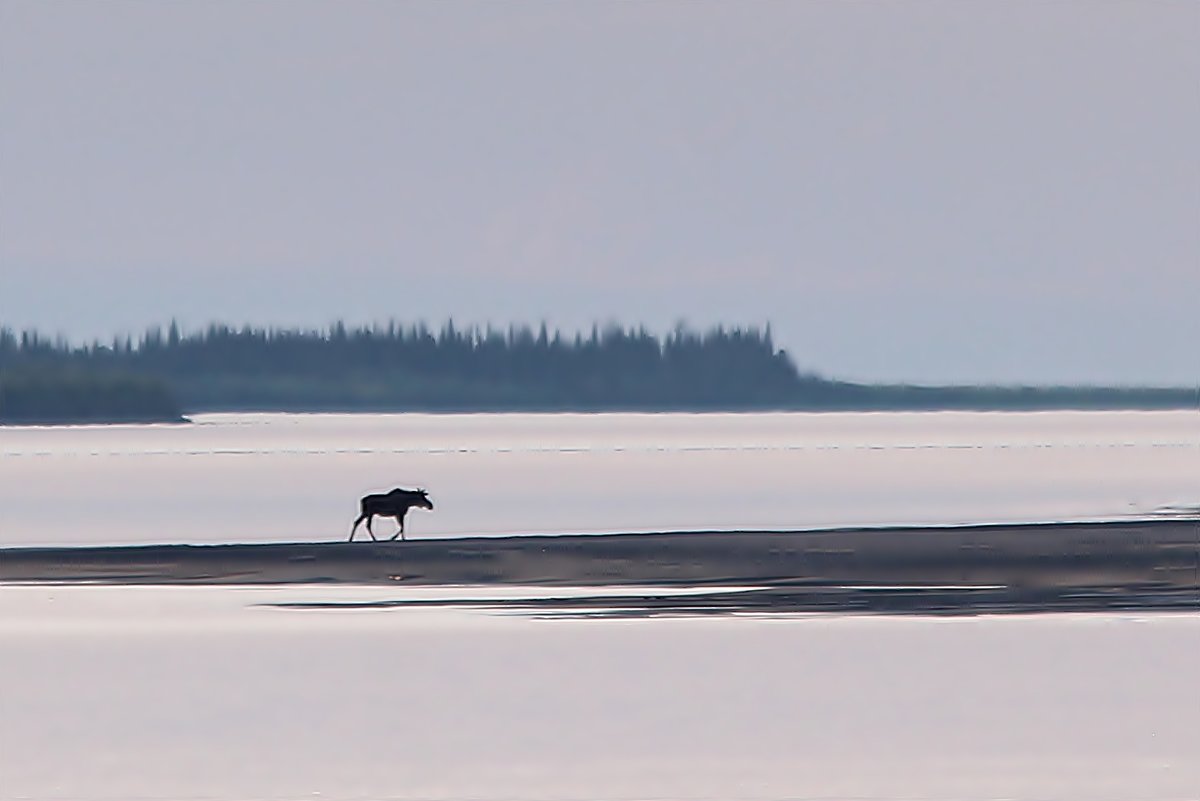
(369, 531)
(354, 528)
(400, 533)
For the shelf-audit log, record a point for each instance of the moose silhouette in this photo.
(391, 504)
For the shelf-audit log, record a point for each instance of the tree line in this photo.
(394, 366)
(415, 367)
(34, 395)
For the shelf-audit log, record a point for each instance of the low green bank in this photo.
(43, 397)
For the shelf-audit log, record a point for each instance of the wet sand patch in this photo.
(1137, 564)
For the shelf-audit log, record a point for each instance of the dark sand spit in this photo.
(1136, 564)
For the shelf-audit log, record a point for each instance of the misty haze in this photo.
(779, 400)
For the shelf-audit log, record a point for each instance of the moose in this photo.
(391, 504)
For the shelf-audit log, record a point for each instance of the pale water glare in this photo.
(287, 477)
(220, 694)
(118, 693)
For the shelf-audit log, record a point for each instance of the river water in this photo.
(226, 694)
(275, 477)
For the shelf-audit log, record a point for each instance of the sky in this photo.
(1002, 192)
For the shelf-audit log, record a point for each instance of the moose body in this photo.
(391, 504)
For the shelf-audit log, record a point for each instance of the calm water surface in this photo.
(208, 693)
(219, 694)
(237, 478)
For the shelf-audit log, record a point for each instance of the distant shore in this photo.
(78, 396)
(412, 368)
(1139, 564)
(107, 420)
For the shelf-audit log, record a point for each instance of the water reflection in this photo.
(799, 599)
(201, 692)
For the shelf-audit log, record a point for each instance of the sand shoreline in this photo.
(1142, 564)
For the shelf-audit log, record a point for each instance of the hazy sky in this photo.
(929, 191)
